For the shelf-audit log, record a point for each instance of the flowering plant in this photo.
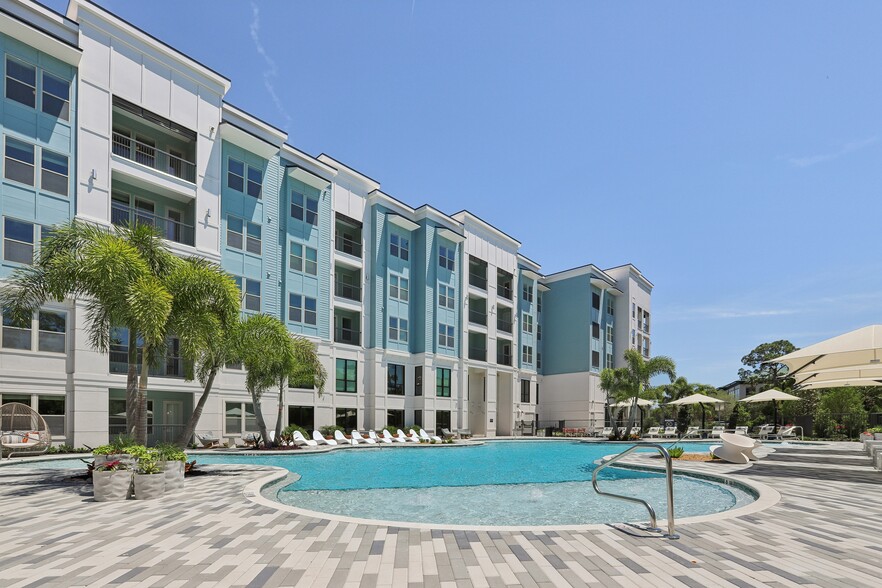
(111, 466)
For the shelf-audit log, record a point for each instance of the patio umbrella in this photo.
(701, 399)
(641, 402)
(856, 348)
(842, 376)
(773, 395)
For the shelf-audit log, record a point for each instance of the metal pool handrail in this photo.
(669, 476)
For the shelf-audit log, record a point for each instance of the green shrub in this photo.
(328, 430)
(289, 430)
(169, 452)
(65, 448)
(149, 465)
(875, 430)
(676, 451)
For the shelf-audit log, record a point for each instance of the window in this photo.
(251, 292)
(52, 328)
(16, 334)
(610, 306)
(51, 408)
(395, 379)
(302, 416)
(252, 245)
(539, 302)
(399, 247)
(527, 354)
(595, 330)
(18, 241)
(397, 329)
(418, 384)
(445, 257)
(538, 362)
(445, 296)
(346, 375)
(442, 383)
(346, 418)
(255, 181)
(21, 82)
(418, 418)
(298, 263)
(633, 309)
(595, 360)
(595, 301)
(398, 288)
(394, 420)
(527, 292)
(525, 390)
(609, 360)
(528, 323)
(235, 232)
(538, 332)
(609, 334)
(445, 336)
(56, 96)
(301, 309)
(442, 420)
(236, 175)
(633, 337)
(303, 208)
(19, 162)
(239, 418)
(53, 177)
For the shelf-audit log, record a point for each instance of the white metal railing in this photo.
(669, 475)
(150, 156)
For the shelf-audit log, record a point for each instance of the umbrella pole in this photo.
(775, 406)
(702, 415)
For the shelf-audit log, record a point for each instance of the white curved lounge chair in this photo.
(341, 438)
(362, 439)
(299, 439)
(634, 431)
(426, 437)
(373, 435)
(606, 432)
(390, 437)
(319, 439)
(735, 448)
(400, 434)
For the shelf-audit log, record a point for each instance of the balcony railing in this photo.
(348, 291)
(503, 358)
(504, 291)
(478, 353)
(347, 245)
(503, 325)
(478, 281)
(170, 367)
(150, 156)
(170, 229)
(477, 317)
(347, 336)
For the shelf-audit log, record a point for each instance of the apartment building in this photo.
(420, 317)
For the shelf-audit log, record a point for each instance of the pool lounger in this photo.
(318, 438)
(361, 439)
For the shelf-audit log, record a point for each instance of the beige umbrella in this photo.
(701, 399)
(835, 377)
(856, 348)
(641, 402)
(773, 395)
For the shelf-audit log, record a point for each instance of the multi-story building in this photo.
(420, 317)
(738, 390)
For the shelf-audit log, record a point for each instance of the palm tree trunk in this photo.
(141, 428)
(190, 429)
(631, 416)
(132, 388)
(281, 407)
(258, 414)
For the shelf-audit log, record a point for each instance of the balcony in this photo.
(148, 155)
(346, 327)
(347, 336)
(171, 366)
(170, 229)
(478, 317)
(478, 273)
(346, 290)
(478, 353)
(477, 346)
(503, 355)
(347, 245)
(504, 284)
(347, 235)
(504, 324)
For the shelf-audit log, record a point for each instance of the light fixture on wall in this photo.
(207, 213)
(94, 175)
(211, 132)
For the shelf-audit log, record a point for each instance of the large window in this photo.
(595, 301)
(442, 382)
(302, 416)
(446, 336)
(21, 82)
(54, 172)
(240, 232)
(394, 420)
(255, 181)
(527, 354)
(304, 208)
(303, 259)
(397, 329)
(398, 288)
(446, 257)
(56, 96)
(52, 330)
(346, 418)
(442, 420)
(19, 161)
(399, 247)
(527, 292)
(395, 379)
(18, 241)
(250, 289)
(346, 375)
(418, 418)
(17, 334)
(609, 334)
(236, 175)
(418, 381)
(51, 408)
(610, 306)
(239, 418)
(301, 309)
(595, 330)
(525, 390)
(446, 296)
(595, 360)
(528, 323)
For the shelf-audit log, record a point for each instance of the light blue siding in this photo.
(566, 326)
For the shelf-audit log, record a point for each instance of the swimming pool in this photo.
(500, 483)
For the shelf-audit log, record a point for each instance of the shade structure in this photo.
(861, 375)
(627, 403)
(774, 396)
(696, 399)
(860, 347)
(820, 385)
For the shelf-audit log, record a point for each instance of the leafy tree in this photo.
(763, 375)
(299, 362)
(631, 382)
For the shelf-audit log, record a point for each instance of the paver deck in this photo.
(823, 532)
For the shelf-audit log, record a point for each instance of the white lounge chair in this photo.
(299, 439)
(373, 435)
(669, 432)
(361, 439)
(447, 434)
(764, 431)
(635, 431)
(390, 437)
(208, 439)
(399, 434)
(735, 448)
(426, 437)
(318, 438)
(606, 432)
(717, 430)
(622, 431)
(653, 432)
(741, 431)
(341, 438)
(784, 433)
(691, 432)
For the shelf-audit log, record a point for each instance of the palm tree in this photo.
(121, 275)
(298, 361)
(681, 388)
(632, 381)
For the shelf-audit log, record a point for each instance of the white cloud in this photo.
(272, 72)
(810, 160)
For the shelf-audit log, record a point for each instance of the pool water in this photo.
(516, 483)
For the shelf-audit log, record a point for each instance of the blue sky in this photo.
(730, 150)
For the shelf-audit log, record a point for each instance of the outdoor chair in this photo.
(390, 437)
(319, 438)
(607, 432)
(208, 439)
(736, 449)
(373, 435)
(361, 438)
(401, 435)
(717, 430)
(341, 438)
(691, 432)
(426, 437)
(653, 432)
(741, 431)
(635, 432)
(23, 430)
(670, 432)
(299, 439)
(764, 431)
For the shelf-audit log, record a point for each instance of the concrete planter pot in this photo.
(877, 436)
(174, 475)
(123, 458)
(112, 486)
(866, 437)
(149, 486)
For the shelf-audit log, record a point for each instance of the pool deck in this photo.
(824, 531)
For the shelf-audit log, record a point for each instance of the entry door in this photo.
(173, 419)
